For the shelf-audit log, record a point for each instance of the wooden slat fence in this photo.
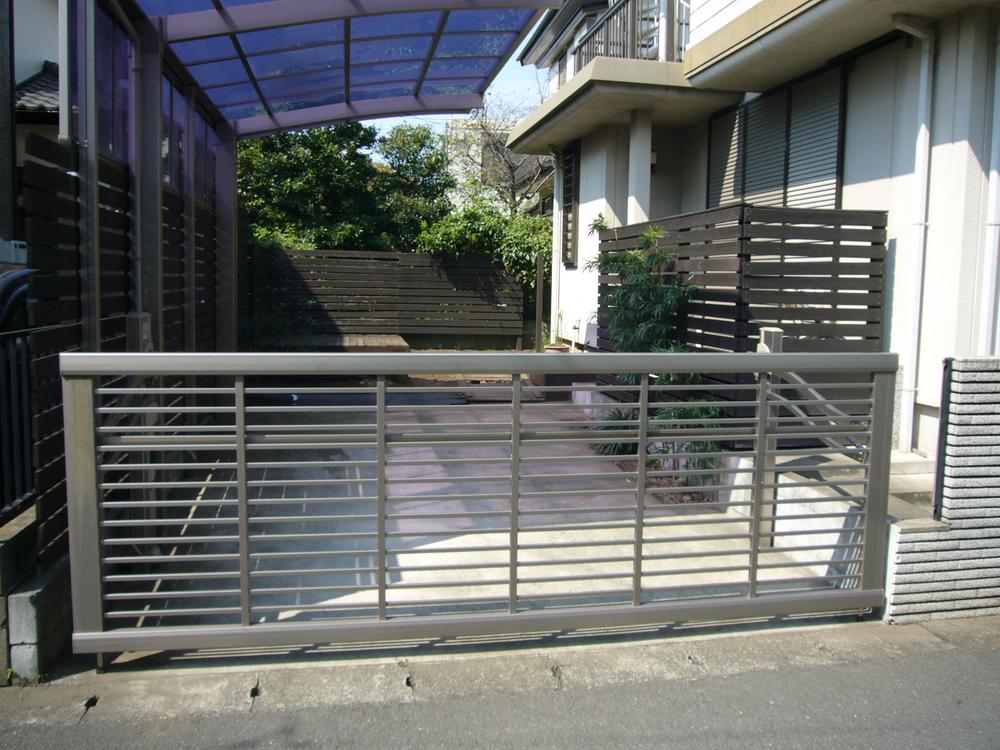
(54, 310)
(349, 292)
(817, 274)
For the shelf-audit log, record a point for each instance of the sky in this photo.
(515, 82)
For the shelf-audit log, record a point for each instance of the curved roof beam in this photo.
(358, 110)
(275, 13)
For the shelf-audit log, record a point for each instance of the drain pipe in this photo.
(921, 174)
(989, 309)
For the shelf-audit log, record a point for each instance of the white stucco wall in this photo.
(676, 186)
(603, 192)
(879, 146)
(36, 35)
(708, 16)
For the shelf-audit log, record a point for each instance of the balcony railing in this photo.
(638, 30)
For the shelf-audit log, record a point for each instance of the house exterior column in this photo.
(640, 146)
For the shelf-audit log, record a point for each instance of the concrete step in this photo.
(903, 462)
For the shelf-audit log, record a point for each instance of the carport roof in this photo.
(271, 65)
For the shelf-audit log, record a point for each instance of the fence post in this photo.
(876, 539)
(771, 341)
(243, 499)
(380, 451)
(640, 490)
(515, 484)
(83, 505)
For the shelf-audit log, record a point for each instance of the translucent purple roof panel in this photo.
(297, 61)
(394, 24)
(202, 50)
(389, 50)
(266, 63)
(488, 20)
(291, 37)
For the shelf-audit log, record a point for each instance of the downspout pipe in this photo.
(918, 243)
(989, 309)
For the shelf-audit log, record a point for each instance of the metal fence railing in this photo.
(16, 460)
(637, 30)
(320, 498)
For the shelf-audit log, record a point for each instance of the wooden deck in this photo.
(351, 342)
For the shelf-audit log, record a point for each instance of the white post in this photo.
(557, 230)
(664, 53)
(640, 147)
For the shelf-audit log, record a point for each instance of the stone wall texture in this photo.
(951, 567)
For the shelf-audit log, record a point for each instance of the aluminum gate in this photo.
(225, 500)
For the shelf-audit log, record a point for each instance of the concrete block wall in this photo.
(951, 567)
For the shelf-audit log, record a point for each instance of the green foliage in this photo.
(642, 309)
(628, 418)
(320, 188)
(312, 189)
(413, 189)
(483, 229)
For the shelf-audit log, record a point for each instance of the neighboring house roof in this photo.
(40, 92)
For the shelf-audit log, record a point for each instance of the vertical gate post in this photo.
(243, 499)
(515, 483)
(772, 342)
(640, 490)
(87, 137)
(83, 500)
(759, 475)
(876, 534)
(380, 452)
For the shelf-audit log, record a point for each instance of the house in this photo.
(481, 164)
(664, 107)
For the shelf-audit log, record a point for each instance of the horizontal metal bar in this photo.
(310, 519)
(311, 554)
(80, 364)
(812, 563)
(309, 500)
(208, 466)
(163, 391)
(176, 594)
(309, 572)
(431, 626)
(151, 559)
(188, 576)
(136, 541)
(131, 504)
(448, 584)
(151, 632)
(695, 571)
(284, 590)
(143, 522)
(589, 577)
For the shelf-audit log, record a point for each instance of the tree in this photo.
(514, 242)
(313, 189)
(494, 172)
(413, 185)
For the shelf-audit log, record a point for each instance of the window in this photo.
(174, 121)
(570, 203)
(780, 149)
(114, 86)
(205, 143)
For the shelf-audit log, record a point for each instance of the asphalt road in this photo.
(919, 694)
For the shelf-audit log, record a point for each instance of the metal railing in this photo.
(637, 30)
(17, 482)
(322, 498)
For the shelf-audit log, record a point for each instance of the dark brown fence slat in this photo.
(819, 274)
(356, 292)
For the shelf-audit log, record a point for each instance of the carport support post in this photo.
(89, 223)
(227, 281)
(150, 180)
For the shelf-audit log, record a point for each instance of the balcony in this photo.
(637, 30)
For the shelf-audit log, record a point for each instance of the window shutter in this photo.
(814, 138)
(724, 173)
(766, 119)
(782, 148)
(570, 203)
